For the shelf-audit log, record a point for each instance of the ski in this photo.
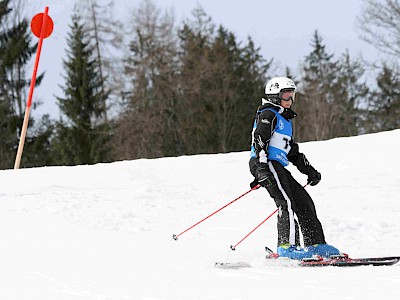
(350, 262)
(316, 262)
(344, 260)
(340, 260)
(232, 265)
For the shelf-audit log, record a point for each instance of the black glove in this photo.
(264, 176)
(314, 177)
(254, 184)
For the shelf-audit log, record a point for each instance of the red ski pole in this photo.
(175, 236)
(234, 247)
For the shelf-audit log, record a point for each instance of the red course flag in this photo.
(42, 27)
(37, 23)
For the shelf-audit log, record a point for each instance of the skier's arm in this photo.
(303, 165)
(262, 135)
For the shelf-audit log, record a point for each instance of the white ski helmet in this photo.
(277, 85)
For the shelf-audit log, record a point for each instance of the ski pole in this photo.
(234, 247)
(175, 236)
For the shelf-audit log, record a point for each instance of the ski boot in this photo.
(324, 250)
(293, 252)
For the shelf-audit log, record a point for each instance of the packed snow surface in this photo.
(105, 231)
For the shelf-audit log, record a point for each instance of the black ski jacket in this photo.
(265, 128)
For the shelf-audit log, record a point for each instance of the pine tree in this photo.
(104, 29)
(201, 85)
(350, 93)
(195, 46)
(148, 126)
(236, 84)
(384, 103)
(81, 135)
(221, 84)
(379, 24)
(330, 96)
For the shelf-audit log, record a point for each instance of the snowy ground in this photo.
(105, 231)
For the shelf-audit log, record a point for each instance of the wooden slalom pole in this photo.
(42, 27)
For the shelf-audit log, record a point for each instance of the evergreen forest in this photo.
(167, 88)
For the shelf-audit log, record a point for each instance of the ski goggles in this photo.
(287, 95)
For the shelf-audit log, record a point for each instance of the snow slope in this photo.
(105, 231)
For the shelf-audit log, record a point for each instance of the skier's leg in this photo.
(313, 234)
(306, 213)
(283, 224)
(288, 229)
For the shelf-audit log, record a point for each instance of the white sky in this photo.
(283, 29)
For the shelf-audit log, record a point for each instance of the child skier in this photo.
(272, 149)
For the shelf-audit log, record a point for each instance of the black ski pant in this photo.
(295, 207)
